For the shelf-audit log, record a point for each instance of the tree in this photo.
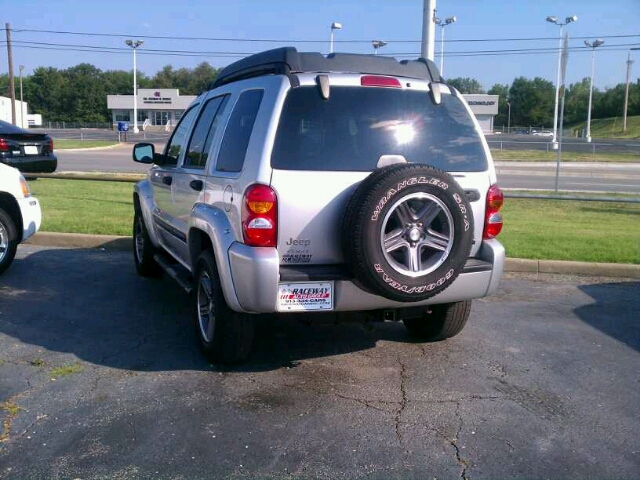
(202, 77)
(466, 85)
(503, 109)
(164, 78)
(532, 102)
(48, 93)
(576, 102)
(86, 97)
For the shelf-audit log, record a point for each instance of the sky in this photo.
(476, 46)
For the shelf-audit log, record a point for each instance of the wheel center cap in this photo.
(414, 234)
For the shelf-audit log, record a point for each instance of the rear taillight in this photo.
(379, 81)
(3, 145)
(493, 217)
(51, 145)
(260, 216)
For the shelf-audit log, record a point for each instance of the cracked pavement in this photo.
(543, 382)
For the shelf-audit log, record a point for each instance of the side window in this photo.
(236, 137)
(179, 137)
(203, 133)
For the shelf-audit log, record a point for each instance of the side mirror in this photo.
(144, 153)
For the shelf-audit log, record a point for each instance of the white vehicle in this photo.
(20, 213)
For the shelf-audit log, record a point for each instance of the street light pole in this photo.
(443, 23)
(135, 45)
(626, 91)
(593, 45)
(509, 118)
(377, 44)
(21, 100)
(334, 26)
(554, 20)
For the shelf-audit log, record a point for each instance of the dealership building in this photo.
(157, 107)
(161, 108)
(484, 107)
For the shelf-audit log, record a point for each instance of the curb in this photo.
(516, 265)
(106, 147)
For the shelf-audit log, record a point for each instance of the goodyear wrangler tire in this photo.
(407, 232)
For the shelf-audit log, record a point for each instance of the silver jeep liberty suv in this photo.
(308, 183)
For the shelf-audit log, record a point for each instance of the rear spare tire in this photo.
(407, 232)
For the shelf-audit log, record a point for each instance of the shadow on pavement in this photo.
(615, 311)
(91, 303)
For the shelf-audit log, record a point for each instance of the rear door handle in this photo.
(167, 180)
(196, 185)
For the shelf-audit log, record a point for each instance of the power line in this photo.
(272, 40)
(223, 54)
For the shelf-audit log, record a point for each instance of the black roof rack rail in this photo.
(288, 61)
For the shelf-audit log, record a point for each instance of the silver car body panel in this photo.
(255, 274)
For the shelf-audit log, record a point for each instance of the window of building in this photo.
(203, 133)
(160, 118)
(122, 115)
(178, 115)
(142, 116)
(236, 137)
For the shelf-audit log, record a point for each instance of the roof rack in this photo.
(288, 61)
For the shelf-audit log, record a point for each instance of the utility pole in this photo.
(626, 93)
(12, 89)
(428, 29)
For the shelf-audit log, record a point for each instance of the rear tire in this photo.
(143, 249)
(8, 240)
(223, 336)
(439, 322)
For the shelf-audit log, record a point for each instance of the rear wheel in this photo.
(439, 322)
(223, 336)
(143, 249)
(8, 240)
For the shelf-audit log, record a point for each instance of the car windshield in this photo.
(352, 129)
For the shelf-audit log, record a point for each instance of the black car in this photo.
(28, 152)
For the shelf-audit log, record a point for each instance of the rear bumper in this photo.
(32, 164)
(31, 216)
(256, 272)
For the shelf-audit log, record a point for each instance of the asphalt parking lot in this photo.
(99, 378)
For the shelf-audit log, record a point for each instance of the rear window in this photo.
(355, 126)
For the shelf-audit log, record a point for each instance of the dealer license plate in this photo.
(304, 297)
(30, 150)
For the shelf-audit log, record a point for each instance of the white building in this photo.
(159, 107)
(484, 107)
(21, 112)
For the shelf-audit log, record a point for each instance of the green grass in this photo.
(571, 230)
(65, 370)
(543, 156)
(11, 408)
(611, 127)
(64, 143)
(538, 229)
(85, 206)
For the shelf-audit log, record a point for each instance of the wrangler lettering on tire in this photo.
(407, 232)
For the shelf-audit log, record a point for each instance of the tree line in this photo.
(79, 94)
(532, 101)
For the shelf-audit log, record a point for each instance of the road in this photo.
(592, 177)
(506, 142)
(543, 383)
(596, 177)
(534, 142)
